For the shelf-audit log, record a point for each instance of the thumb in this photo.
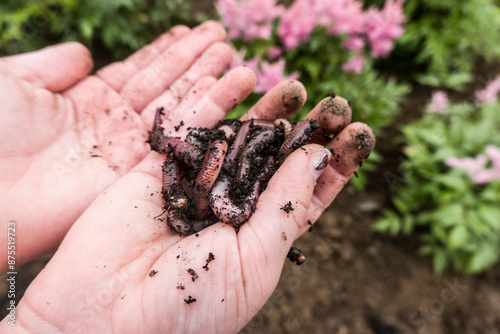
(281, 213)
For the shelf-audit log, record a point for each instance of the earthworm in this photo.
(298, 137)
(172, 191)
(287, 126)
(194, 185)
(182, 150)
(178, 223)
(241, 138)
(175, 200)
(163, 144)
(268, 169)
(263, 123)
(193, 138)
(228, 130)
(232, 156)
(248, 153)
(157, 132)
(210, 168)
(224, 207)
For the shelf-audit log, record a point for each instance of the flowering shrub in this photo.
(327, 45)
(253, 19)
(449, 185)
(444, 39)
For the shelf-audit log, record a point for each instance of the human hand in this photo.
(65, 135)
(121, 270)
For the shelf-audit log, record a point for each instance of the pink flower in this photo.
(472, 166)
(439, 102)
(476, 167)
(248, 19)
(340, 16)
(354, 43)
(384, 26)
(489, 93)
(494, 155)
(271, 74)
(493, 173)
(355, 64)
(296, 24)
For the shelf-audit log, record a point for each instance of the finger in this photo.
(172, 120)
(55, 68)
(117, 74)
(212, 63)
(350, 149)
(282, 101)
(332, 115)
(154, 79)
(281, 213)
(229, 91)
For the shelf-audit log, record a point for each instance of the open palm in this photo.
(121, 269)
(66, 136)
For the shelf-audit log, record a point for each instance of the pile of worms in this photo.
(218, 174)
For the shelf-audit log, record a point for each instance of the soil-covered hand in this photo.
(65, 135)
(122, 270)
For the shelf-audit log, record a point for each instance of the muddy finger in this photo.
(332, 114)
(282, 101)
(350, 149)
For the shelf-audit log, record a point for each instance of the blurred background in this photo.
(412, 244)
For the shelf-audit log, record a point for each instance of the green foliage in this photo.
(444, 39)
(121, 26)
(459, 220)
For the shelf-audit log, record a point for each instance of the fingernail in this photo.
(319, 160)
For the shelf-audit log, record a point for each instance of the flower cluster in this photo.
(248, 19)
(476, 167)
(439, 102)
(489, 93)
(344, 17)
(253, 19)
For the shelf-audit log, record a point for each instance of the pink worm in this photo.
(225, 209)
(209, 170)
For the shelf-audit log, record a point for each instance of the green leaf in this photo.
(429, 80)
(484, 257)
(439, 232)
(400, 205)
(313, 67)
(453, 181)
(408, 223)
(439, 262)
(450, 214)
(390, 222)
(491, 214)
(458, 80)
(458, 237)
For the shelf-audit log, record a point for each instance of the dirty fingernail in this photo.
(319, 160)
